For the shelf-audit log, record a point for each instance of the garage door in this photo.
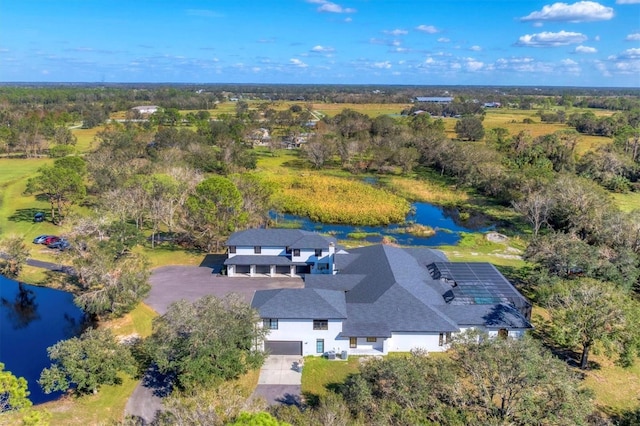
(283, 348)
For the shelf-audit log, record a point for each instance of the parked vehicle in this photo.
(50, 239)
(40, 239)
(38, 217)
(60, 245)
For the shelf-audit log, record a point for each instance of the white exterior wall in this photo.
(363, 345)
(264, 251)
(513, 333)
(302, 330)
(404, 342)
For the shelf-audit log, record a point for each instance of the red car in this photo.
(50, 240)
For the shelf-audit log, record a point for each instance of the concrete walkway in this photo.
(280, 380)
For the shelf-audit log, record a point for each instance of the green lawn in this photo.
(628, 202)
(319, 373)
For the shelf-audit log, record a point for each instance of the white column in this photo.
(272, 270)
(252, 270)
(292, 270)
(231, 270)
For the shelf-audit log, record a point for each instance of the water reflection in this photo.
(448, 223)
(32, 319)
(23, 309)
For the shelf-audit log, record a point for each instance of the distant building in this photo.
(146, 109)
(492, 104)
(434, 99)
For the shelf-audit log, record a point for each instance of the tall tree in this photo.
(87, 362)
(16, 254)
(470, 128)
(206, 342)
(586, 312)
(214, 211)
(516, 381)
(14, 395)
(62, 183)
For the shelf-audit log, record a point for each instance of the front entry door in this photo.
(353, 342)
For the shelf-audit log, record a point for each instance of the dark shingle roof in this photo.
(333, 282)
(382, 289)
(300, 303)
(295, 238)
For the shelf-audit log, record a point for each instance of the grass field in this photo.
(628, 202)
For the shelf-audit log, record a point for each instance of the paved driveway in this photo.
(280, 380)
(171, 283)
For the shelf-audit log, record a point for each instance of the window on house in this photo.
(287, 250)
(371, 339)
(503, 333)
(320, 324)
(270, 323)
(318, 252)
(232, 249)
(444, 339)
(296, 252)
(320, 346)
(353, 342)
(257, 249)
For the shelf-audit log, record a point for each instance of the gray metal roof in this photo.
(301, 303)
(294, 238)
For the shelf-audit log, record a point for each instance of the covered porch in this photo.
(265, 266)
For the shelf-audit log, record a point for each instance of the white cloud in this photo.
(443, 40)
(382, 65)
(570, 66)
(631, 54)
(473, 65)
(429, 29)
(475, 48)
(396, 32)
(633, 37)
(627, 1)
(586, 49)
(523, 65)
(329, 7)
(549, 39)
(582, 11)
(297, 63)
(322, 49)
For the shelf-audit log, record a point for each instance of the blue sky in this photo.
(423, 42)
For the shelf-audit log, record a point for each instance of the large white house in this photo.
(371, 300)
(279, 251)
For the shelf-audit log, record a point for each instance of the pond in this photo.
(32, 319)
(446, 222)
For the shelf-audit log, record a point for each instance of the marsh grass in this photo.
(336, 200)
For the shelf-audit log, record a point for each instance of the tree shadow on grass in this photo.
(25, 215)
(571, 357)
